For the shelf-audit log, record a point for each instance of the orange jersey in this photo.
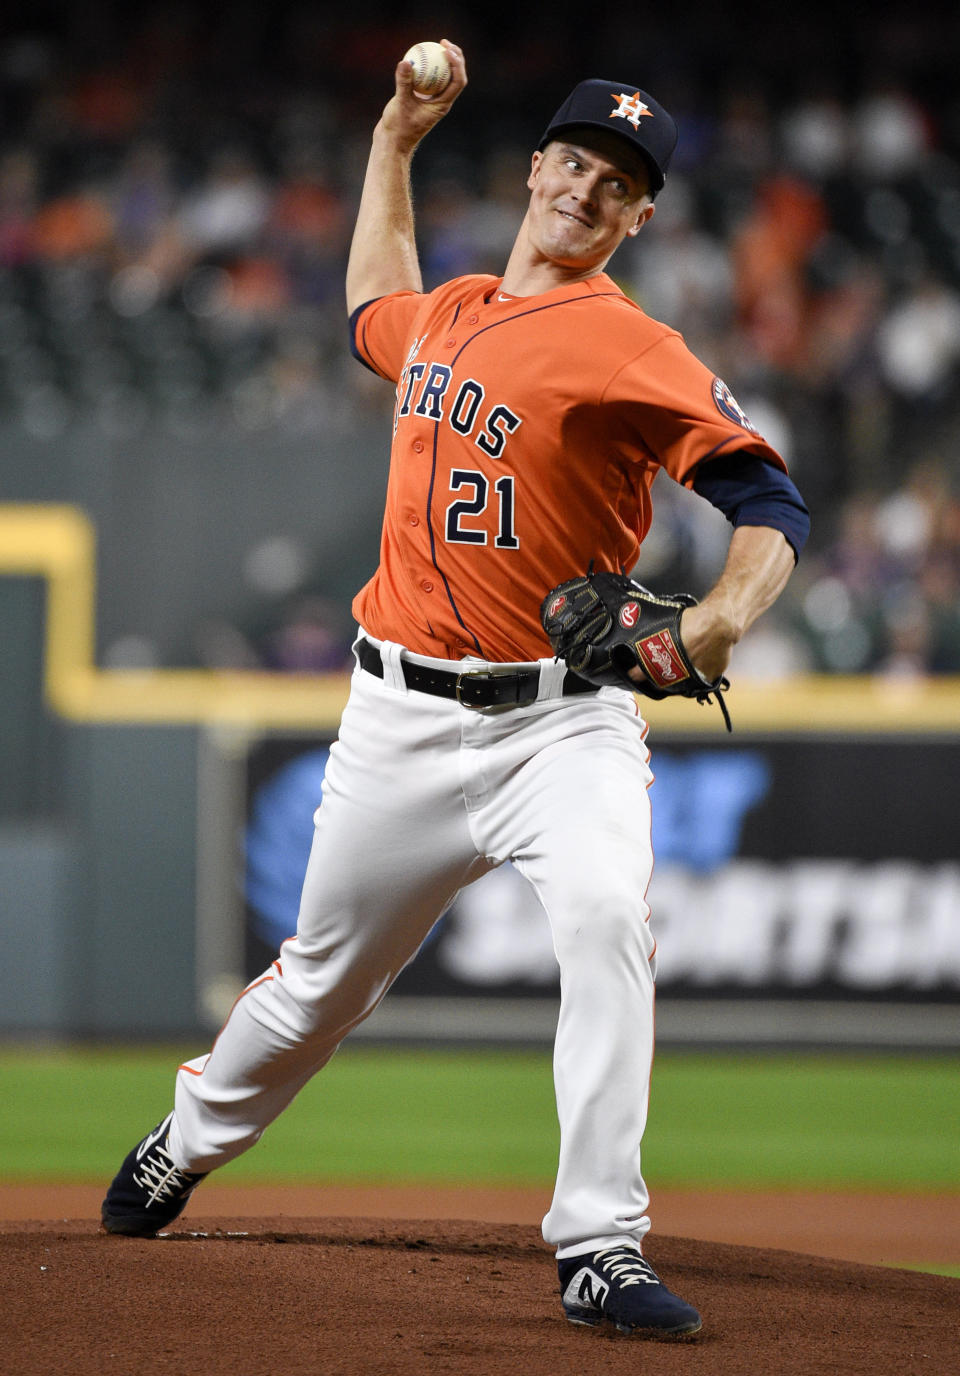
(527, 434)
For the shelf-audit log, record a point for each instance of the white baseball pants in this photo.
(422, 796)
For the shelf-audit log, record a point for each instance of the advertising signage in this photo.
(784, 868)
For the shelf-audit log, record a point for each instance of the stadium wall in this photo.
(127, 796)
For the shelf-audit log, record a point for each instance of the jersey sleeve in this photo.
(380, 330)
(751, 492)
(683, 414)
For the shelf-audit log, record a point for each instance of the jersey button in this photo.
(450, 343)
(472, 319)
(427, 585)
(418, 446)
(414, 520)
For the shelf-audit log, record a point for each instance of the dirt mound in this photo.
(350, 1297)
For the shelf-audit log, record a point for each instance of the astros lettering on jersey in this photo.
(511, 414)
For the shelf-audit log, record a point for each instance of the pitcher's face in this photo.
(586, 198)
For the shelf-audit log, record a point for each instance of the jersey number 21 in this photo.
(458, 534)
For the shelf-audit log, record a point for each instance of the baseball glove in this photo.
(604, 624)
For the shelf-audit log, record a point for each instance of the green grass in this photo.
(937, 1270)
(839, 1121)
(370, 1116)
(488, 1117)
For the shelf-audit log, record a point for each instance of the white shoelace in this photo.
(626, 1267)
(160, 1177)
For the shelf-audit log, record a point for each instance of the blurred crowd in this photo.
(177, 194)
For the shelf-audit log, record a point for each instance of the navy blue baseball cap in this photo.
(622, 109)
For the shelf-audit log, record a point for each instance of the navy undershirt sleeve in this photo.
(751, 492)
(353, 322)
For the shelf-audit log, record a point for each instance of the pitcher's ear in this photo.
(642, 218)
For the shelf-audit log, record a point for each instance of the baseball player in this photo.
(533, 412)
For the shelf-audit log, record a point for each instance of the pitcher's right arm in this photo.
(383, 252)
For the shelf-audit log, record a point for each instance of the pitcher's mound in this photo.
(353, 1297)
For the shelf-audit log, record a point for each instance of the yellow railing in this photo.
(57, 543)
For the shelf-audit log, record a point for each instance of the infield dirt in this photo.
(287, 1296)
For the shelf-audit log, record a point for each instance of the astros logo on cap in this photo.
(630, 108)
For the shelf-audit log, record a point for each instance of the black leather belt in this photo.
(472, 687)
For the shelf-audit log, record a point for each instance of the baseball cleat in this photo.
(149, 1190)
(617, 1284)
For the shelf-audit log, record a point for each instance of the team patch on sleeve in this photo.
(728, 406)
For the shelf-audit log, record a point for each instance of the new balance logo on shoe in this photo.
(587, 1292)
(152, 1137)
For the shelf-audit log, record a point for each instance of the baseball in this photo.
(431, 70)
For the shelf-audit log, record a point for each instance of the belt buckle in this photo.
(484, 675)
